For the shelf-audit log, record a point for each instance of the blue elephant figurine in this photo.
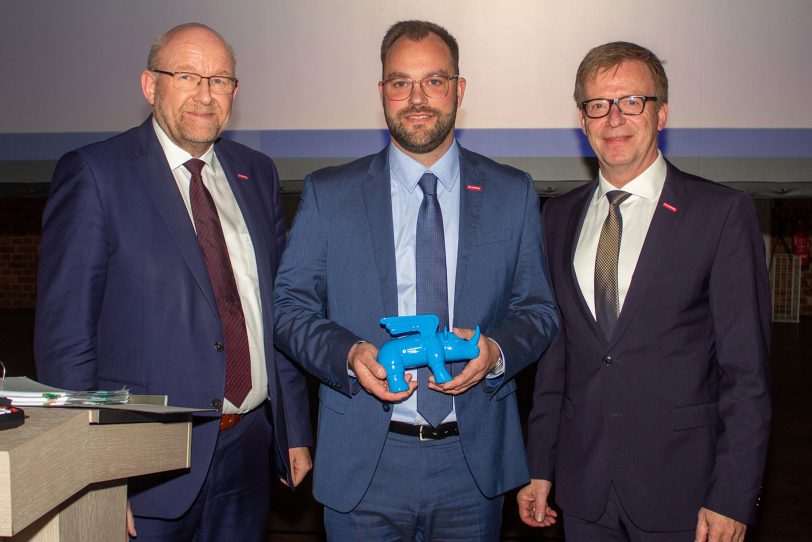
(422, 345)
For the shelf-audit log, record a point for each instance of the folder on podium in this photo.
(63, 473)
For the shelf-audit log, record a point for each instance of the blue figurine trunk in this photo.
(422, 345)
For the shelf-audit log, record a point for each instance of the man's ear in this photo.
(582, 119)
(662, 116)
(461, 82)
(148, 82)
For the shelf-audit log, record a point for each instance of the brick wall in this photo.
(20, 235)
(19, 241)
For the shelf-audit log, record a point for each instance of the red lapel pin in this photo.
(473, 187)
(242, 176)
(669, 207)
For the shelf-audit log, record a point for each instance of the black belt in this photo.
(425, 432)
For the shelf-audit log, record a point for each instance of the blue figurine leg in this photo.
(435, 359)
(395, 376)
(389, 357)
(441, 375)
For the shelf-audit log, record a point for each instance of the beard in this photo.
(421, 140)
(188, 133)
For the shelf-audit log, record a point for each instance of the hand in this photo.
(130, 522)
(363, 361)
(300, 465)
(533, 507)
(714, 527)
(475, 370)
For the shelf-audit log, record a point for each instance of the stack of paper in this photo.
(25, 392)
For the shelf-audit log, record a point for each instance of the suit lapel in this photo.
(470, 211)
(154, 172)
(658, 241)
(377, 198)
(252, 211)
(572, 234)
(471, 202)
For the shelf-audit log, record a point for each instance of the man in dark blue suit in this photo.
(389, 465)
(157, 262)
(652, 406)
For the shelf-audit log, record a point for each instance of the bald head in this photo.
(181, 32)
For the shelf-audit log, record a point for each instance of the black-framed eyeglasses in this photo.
(218, 84)
(628, 105)
(434, 86)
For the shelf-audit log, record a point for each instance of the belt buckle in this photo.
(422, 438)
(227, 421)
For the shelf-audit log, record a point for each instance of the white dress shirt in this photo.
(637, 212)
(240, 252)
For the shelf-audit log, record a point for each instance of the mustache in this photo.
(197, 107)
(418, 109)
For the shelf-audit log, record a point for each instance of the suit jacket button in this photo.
(216, 403)
(218, 346)
(608, 361)
(386, 407)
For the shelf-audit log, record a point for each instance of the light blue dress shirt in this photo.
(404, 174)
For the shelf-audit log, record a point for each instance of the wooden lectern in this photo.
(63, 474)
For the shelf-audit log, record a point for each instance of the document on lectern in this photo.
(25, 392)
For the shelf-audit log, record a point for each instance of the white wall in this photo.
(313, 64)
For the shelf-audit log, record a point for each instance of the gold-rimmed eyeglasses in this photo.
(433, 86)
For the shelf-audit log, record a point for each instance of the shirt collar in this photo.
(174, 154)
(648, 185)
(407, 171)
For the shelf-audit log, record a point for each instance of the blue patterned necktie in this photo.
(607, 302)
(432, 290)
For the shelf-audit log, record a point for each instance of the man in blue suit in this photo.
(388, 466)
(652, 406)
(158, 256)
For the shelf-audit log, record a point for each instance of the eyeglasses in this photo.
(218, 84)
(628, 105)
(434, 86)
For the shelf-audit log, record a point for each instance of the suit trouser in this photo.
(421, 490)
(234, 502)
(616, 526)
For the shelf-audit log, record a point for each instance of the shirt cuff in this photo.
(350, 371)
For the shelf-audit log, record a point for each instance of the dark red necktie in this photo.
(215, 254)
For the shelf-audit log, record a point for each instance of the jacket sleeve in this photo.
(543, 421)
(302, 328)
(532, 318)
(740, 307)
(71, 278)
(292, 381)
